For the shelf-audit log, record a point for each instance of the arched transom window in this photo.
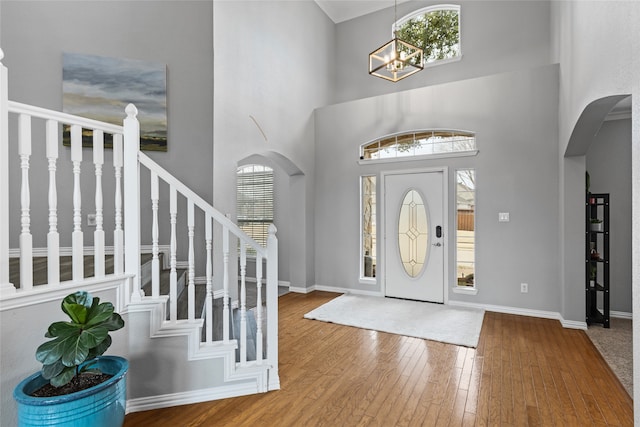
(419, 143)
(434, 29)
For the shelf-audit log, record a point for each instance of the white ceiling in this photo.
(343, 10)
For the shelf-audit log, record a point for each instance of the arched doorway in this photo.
(290, 217)
(591, 148)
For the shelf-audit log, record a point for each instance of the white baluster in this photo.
(259, 350)
(5, 286)
(191, 289)
(26, 240)
(209, 296)
(118, 234)
(173, 276)
(225, 284)
(272, 307)
(243, 304)
(77, 242)
(98, 234)
(53, 237)
(155, 261)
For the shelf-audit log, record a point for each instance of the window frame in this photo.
(423, 11)
(443, 155)
(469, 290)
(361, 277)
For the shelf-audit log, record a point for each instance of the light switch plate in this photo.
(503, 216)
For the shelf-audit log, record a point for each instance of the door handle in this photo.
(439, 231)
(437, 244)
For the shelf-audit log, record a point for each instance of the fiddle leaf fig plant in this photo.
(82, 339)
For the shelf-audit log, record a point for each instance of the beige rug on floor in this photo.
(616, 346)
(436, 322)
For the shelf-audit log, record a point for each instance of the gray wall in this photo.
(496, 36)
(34, 35)
(609, 166)
(273, 64)
(514, 116)
(597, 45)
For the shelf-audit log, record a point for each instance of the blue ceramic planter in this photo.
(100, 406)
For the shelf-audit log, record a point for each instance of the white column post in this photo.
(5, 286)
(272, 307)
(132, 200)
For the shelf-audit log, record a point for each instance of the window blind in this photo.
(254, 201)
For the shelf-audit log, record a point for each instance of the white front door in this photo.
(414, 236)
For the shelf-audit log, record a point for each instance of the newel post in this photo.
(132, 200)
(272, 308)
(5, 286)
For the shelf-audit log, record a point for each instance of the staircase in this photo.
(183, 295)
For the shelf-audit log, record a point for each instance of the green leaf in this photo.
(64, 377)
(62, 329)
(51, 351)
(99, 313)
(114, 323)
(100, 348)
(76, 306)
(52, 370)
(74, 351)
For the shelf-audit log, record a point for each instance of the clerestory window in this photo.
(434, 29)
(419, 143)
(254, 201)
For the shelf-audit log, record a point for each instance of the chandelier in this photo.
(396, 59)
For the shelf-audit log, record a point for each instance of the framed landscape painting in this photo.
(99, 88)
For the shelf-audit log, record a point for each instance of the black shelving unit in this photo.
(597, 258)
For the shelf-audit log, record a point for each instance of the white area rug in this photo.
(436, 322)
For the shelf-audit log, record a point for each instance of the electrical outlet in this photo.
(91, 220)
(524, 288)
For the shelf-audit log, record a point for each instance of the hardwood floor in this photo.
(525, 372)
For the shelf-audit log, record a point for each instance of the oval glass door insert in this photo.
(413, 233)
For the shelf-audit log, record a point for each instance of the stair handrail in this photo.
(201, 203)
(66, 118)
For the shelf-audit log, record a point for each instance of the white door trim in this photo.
(448, 235)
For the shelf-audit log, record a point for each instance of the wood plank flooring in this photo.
(525, 372)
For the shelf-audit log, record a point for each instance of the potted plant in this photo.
(77, 386)
(596, 224)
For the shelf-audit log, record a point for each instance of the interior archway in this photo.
(290, 215)
(573, 167)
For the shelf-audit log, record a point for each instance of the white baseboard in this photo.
(188, 397)
(570, 324)
(621, 314)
